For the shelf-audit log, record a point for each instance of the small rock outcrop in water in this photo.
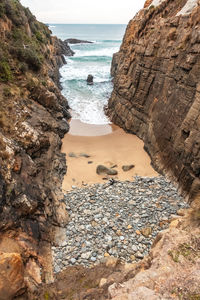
(76, 41)
(157, 86)
(90, 79)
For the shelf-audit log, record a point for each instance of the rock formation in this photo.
(157, 86)
(33, 119)
(76, 41)
(90, 79)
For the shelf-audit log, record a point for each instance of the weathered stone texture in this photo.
(157, 87)
(33, 121)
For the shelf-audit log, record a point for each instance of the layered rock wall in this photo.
(157, 86)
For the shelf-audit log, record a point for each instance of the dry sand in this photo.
(105, 144)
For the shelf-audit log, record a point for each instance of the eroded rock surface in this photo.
(12, 275)
(157, 86)
(174, 270)
(33, 120)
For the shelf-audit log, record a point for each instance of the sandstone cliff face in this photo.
(33, 120)
(157, 86)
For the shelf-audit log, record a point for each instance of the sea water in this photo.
(87, 101)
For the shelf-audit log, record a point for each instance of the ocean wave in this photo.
(87, 101)
(91, 58)
(75, 72)
(111, 41)
(89, 110)
(97, 52)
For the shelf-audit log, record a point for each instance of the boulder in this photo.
(101, 169)
(90, 79)
(111, 172)
(72, 154)
(127, 168)
(11, 275)
(84, 155)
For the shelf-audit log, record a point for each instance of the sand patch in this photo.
(114, 149)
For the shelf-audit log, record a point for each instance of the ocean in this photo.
(87, 101)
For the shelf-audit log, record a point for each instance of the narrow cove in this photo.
(115, 216)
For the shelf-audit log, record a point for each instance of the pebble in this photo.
(73, 260)
(112, 218)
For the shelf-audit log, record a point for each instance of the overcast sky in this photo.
(84, 11)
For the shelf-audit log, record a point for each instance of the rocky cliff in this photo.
(33, 120)
(157, 86)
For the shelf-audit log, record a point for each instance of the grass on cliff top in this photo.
(24, 47)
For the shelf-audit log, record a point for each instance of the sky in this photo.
(84, 11)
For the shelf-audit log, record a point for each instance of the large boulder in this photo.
(11, 275)
(101, 169)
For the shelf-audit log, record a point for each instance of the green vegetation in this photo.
(29, 56)
(23, 68)
(39, 37)
(174, 255)
(46, 296)
(24, 46)
(5, 71)
(188, 251)
(2, 10)
(151, 7)
(7, 92)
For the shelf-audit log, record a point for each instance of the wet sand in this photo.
(105, 144)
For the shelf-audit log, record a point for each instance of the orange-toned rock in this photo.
(138, 232)
(111, 261)
(171, 266)
(33, 275)
(17, 164)
(147, 3)
(11, 275)
(34, 271)
(146, 231)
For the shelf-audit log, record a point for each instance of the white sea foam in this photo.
(88, 105)
(87, 102)
(99, 52)
(73, 72)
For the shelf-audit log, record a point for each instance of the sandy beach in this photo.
(107, 145)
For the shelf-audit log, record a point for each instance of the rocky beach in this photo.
(118, 218)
